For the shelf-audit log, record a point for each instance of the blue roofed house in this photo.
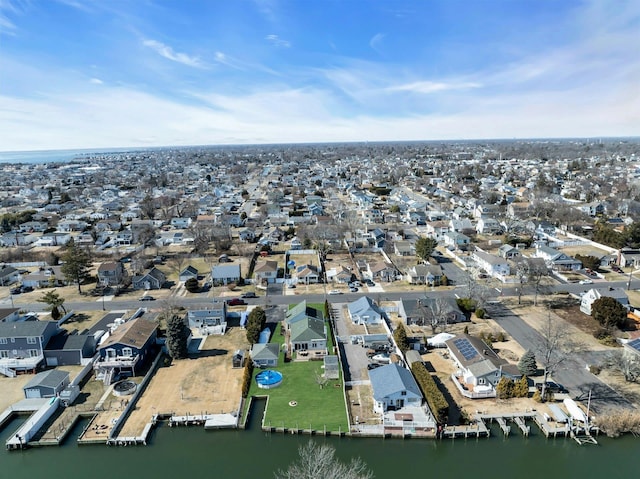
(212, 320)
(365, 311)
(188, 273)
(394, 387)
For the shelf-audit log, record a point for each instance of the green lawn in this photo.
(316, 408)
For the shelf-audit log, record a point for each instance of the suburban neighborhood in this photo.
(400, 290)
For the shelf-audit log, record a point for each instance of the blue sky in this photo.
(116, 73)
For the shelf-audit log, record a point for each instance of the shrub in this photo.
(466, 304)
(521, 388)
(246, 378)
(434, 397)
(400, 337)
(501, 337)
(480, 313)
(505, 388)
(192, 285)
(595, 369)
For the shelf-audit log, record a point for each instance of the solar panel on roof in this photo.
(635, 344)
(465, 348)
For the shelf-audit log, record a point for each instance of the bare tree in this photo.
(319, 461)
(624, 363)
(554, 346)
(439, 312)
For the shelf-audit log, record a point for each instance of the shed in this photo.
(46, 384)
(265, 335)
(331, 367)
(237, 360)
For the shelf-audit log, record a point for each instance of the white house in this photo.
(594, 294)
(492, 264)
(394, 387)
(365, 311)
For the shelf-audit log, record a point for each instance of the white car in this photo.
(335, 291)
(586, 281)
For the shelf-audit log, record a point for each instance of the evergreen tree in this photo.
(76, 264)
(521, 387)
(400, 337)
(177, 336)
(609, 312)
(192, 285)
(505, 388)
(55, 302)
(424, 248)
(255, 324)
(527, 365)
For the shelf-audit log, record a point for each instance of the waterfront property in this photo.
(46, 384)
(22, 344)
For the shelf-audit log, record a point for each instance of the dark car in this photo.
(371, 366)
(16, 290)
(27, 289)
(147, 298)
(249, 294)
(236, 302)
(554, 387)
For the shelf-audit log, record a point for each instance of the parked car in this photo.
(335, 291)
(586, 281)
(368, 282)
(236, 302)
(147, 298)
(616, 268)
(353, 289)
(371, 366)
(553, 387)
(27, 289)
(17, 290)
(249, 294)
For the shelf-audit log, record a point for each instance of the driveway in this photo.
(572, 374)
(354, 356)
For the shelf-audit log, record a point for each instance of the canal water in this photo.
(196, 453)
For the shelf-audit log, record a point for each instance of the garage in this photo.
(46, 384)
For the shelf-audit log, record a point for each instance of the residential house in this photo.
(462, 225)
(126, 349)
(365, 311)
(212, 320)
(593, 209)
(188, 273)
(381, 270)
(111, 273)
(341, 274)
(479, 367)
(299, 312)
(518, 209)
(629, 257)
(404, 248)
(437, 229)
(181, 223)
(265, 272)
(457, 240)
(46, 384)
(557, 260)
(488, 226)
(588, 298)
(9, 315)
(225, 274)
(264, 355)
(308, 337)
(152, 279)
(8, 275)
(507, 251)
(494, 265)
(44, 277)
(22, 343)
(430, 274)
(394, 387)
(307, 274)
(430, 311)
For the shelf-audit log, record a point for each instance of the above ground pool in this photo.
(269, 378)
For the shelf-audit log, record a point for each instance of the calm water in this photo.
(195, 453)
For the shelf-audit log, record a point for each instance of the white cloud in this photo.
(277, 41)
(96, 81)
(168, 53)
(376, 42)
(427, 87)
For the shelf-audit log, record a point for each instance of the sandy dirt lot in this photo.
(204, 384)
(11, 389)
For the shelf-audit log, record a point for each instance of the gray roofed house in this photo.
(588, 298)
(188, 273)
(9, 314)
(225, 273)
(8, 275)
(394, 387)
(301, 311)
(422, 311)
(22, 343)
(308, 335)
(70, 349)
(46, 384)
(365, 311)
(265, 354)
(152, 279)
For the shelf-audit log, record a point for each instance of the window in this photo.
(3, 340)
(403, 393)
(127, 352)
(32, 340)
(4, 354)
(33, 353)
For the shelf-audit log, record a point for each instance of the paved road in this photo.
(572, 373)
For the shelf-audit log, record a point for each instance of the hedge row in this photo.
(246, 379)
(435, 399)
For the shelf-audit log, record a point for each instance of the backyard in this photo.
(304, 400)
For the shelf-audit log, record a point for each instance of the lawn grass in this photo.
(317, 408)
